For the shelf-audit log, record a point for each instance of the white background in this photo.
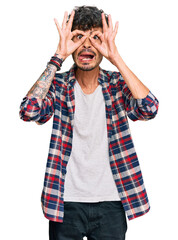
(147, 41)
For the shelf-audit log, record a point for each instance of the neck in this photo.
(87, 79)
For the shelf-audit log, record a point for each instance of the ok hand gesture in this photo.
(107, 46)
(66, 45)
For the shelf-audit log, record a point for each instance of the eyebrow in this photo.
(92, 31)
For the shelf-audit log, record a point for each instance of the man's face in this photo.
(86, 56)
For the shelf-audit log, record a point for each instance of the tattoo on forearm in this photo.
(42, 85)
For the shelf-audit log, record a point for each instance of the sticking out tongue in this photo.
(83, 56)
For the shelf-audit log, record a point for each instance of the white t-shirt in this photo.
(89, 177)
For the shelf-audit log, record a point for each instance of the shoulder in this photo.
(112, 77)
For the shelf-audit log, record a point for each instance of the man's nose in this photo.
(87, 43)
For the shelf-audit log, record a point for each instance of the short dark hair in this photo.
(87, 17)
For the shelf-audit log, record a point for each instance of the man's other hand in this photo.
(107, 47)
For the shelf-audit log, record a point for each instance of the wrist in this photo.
(117, 60)
(59, 55)
(56, 61)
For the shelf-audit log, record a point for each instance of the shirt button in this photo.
(62, 194)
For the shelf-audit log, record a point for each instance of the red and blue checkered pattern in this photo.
(124, 163)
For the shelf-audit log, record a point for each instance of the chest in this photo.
(66, 107)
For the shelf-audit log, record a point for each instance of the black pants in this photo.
(97, 221)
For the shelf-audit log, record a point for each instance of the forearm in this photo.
(137, 88)
(42, 85)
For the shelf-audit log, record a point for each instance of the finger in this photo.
(115, 29)
(69, 25)
(110, 22)
(75, 32)
(78, 43)
(57, 25)
(105, 27)
(64, 20)
(99, 34)
(95, 44)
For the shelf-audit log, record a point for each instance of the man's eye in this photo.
(96, 37)
(79, 36)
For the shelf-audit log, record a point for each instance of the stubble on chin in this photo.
(86, 68)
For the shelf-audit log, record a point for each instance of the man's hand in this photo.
(109, 50)
(107, 46)
(66, 45)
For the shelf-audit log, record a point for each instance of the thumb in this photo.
(78, 43)
(96, 45)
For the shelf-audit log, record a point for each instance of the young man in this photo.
(91, 154)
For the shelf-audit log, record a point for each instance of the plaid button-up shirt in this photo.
(124, 163)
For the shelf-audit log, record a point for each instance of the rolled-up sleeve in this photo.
(38, 110)
(138, 109)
